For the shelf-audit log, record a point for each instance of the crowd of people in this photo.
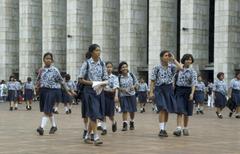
(175, 87)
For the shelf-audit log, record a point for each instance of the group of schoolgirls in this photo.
(18, 92)
(221, 93)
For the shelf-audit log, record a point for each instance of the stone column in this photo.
(133, 34)
(9, 45)
(162, 29)
(79, 31)
(106, 28)
(195, 31)
(227, 37)
(54, 31)
(30, 38)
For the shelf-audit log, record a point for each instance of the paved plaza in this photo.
(208, 134)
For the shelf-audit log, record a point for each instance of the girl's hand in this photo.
(191, 97)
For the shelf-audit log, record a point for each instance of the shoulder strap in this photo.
(86, 75)
(102, 64)
(134, 82)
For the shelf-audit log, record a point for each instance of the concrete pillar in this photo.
(9, 45)
(54, 31)
(195, 31)
(106, 28)
(227, 37)
(162, 29)
(133, 34)
(30, 38)
(79, 31)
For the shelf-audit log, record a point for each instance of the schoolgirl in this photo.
(111, 96)
(92, 70)
(66, 98)
(161, 88)
(185, 81)
(127, 85)
(220, 93)
(12, 93)
(199, 95)
(48, 81)
(142, 94)
(28, 93)
(234, 93)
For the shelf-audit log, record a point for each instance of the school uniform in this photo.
(199, 92)
(235, 85)
(186, 78)
(163, 91)
(12, 91)
(94, 104)
(28, 91)
(19, 88)
(128, 98)
(220, 90)
(113, 83)
(142, 92)
(50, 79)
(66, 98)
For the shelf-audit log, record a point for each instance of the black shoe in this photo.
(69, 111)
(125, 126)
(30, 107)
(55, 112)
(99, 128)
(114, 127)
(15, 108)
(201, 112)
(88, 141)
(163, 133)
(40, 131)
(132, 125)
(98, 142)
(230, 114)
(27, 108)
(237, 116)
(53, 130)
(143, 109)
(84, 134)
(197, 112)
(11, 108)
(185, 132)
(177, 132)
(92, 137)
(104, 132)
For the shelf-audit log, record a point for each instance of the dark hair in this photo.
(67, 77)
(108, 62)
(237, 73)
(11, 77)
(29, 79)
(162, 53)
(88, 55)
(120, 66)
(220, 74)
(91, 48)
(48, 54)
(187, 57)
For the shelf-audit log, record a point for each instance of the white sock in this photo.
(66, 108)
(161, 126)
(185, 128)
(52, 119)
(44, 121)
(125, 122)
(55, 109)
(99, 124)
(96, 136)
(104, 125)
(179, 128)
(85, 126)
(16, 104)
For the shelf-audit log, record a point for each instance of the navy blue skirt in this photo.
(12, 95)
(164, 98)
(28, 95)
(128, 103)
(199, 96)
(220, 100)
(109, 104)
(58, 95)
(184, 106)
(66, 98)
(95, 104)
(47, 99)
(236, 97)
(142, 96)
(83, 107)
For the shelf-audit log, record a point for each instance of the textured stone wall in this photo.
(79, 31)
(30, 38)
